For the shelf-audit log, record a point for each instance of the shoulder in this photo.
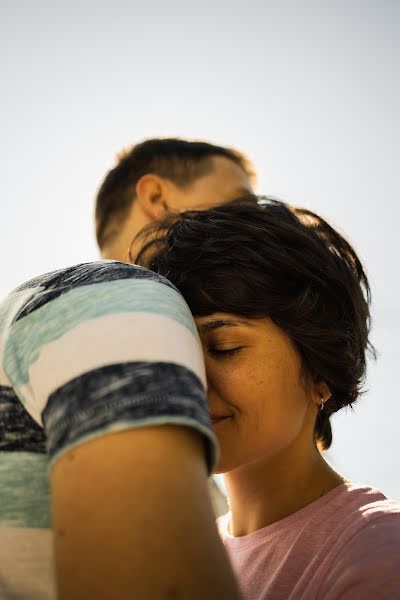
(358, 503)
(367, 563)
(379, 525)
(366, 506)
(93, 276)
(89, 272)
(359, 511)
(375, 516)
(83, 291)
(64, 323)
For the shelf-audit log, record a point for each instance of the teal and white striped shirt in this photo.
(85, 350)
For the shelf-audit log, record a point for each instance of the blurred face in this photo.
(225, 182)
(258, 401)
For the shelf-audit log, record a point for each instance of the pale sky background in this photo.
(308, 89)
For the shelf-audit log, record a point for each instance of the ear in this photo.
(151, 195)
(323, 393)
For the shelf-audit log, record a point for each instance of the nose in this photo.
(212, 395)
(209, 384)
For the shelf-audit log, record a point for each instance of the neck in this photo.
(264, 492)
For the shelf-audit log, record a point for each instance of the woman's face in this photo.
(260, 407)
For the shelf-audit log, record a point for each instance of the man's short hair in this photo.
(180, 161)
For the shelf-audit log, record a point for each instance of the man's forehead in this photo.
(227, 177)
(224, 166)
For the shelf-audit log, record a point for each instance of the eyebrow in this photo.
(217, 323)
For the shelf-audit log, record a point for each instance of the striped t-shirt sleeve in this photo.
(104, 347)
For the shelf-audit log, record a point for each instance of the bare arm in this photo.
(132, 518)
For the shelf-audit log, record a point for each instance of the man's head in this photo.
(162, 175)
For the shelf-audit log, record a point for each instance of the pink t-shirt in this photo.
(345, 545)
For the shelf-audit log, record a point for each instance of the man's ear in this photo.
(151, 195)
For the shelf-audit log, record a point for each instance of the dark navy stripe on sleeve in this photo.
(18, 431)
(123, 396)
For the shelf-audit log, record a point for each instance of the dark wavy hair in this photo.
(259, 257)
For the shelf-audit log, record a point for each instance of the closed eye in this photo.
(227, 352)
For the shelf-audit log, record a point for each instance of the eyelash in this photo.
(223, 353)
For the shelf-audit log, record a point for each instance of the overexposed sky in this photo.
(308, 89)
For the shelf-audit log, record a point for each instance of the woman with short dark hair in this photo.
(281, 302)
